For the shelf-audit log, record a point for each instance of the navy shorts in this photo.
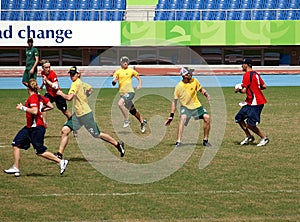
(34, 136)
(250, 113)
(60, 102)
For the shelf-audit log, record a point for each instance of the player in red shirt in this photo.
(50, 80)
(34, 131)
(252, 85)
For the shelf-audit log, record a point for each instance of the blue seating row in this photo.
(58, 15)
(229, 15)
(106, 10)
(227, 10)
(64, 4)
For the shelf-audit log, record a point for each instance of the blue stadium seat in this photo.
(94, 4)
(94, 15)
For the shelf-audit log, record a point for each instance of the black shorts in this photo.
(60, 102)
(250, 113)
(34, 136)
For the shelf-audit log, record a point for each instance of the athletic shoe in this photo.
(206, 143)
(247, 140)
(178, 144)
(13, 170)
(120, 148)
(58, 155)
(126, 123)
(63, 165)
(264, 141)
(143, 126)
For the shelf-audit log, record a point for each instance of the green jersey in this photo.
(31, 53)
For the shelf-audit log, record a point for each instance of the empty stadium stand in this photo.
(82, 10)
(227, 10)
(115, 10)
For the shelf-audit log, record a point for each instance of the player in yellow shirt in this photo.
(186, 92)
(124, 76)
(83, 115)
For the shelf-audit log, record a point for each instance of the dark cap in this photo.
(247, 61)
(30, 40)
(186, 70)
(73, 70)
(124, 59)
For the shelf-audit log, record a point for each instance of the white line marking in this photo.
(157, 194)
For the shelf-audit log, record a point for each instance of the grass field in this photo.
(241, 183)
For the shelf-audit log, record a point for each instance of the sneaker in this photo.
(143, 126)
(247, 140)
(121, 149)
(178, 144)
(58, 155)
(126, 123)
(206, 143)
(63, 165)
(13, 170)
(263, 142)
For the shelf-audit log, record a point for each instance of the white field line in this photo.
(154, 194)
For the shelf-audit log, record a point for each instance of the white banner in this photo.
(61, 33)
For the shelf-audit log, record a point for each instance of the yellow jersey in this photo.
(80, 101)
(124, 77)
(187, 93)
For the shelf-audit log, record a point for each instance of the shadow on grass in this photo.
(36, 175)
(49, 136)
(78, 159)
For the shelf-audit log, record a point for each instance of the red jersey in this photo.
(52, 77)
(38, 101)
(253, 82)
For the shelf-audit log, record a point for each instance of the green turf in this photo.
(242, 183)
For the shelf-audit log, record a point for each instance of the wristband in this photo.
(23, 108)
(172, 115)
(113, 83)
(205, 93)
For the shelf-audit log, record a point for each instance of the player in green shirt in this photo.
(32, 60)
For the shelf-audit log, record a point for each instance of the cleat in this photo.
(143, 126)
(63, 165)
(178, 144)
(120, 148)
(263, 142)
(206, 143)
(13, 170)
(247, 140)
(126, 123)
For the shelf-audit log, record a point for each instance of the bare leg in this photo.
(123, 109)
(256, 130)
(138, 117)
(108, 139)
(50, 156)
(17, 156)
(206, 126)
(181, 127)
(244, 128)
(65, 131)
